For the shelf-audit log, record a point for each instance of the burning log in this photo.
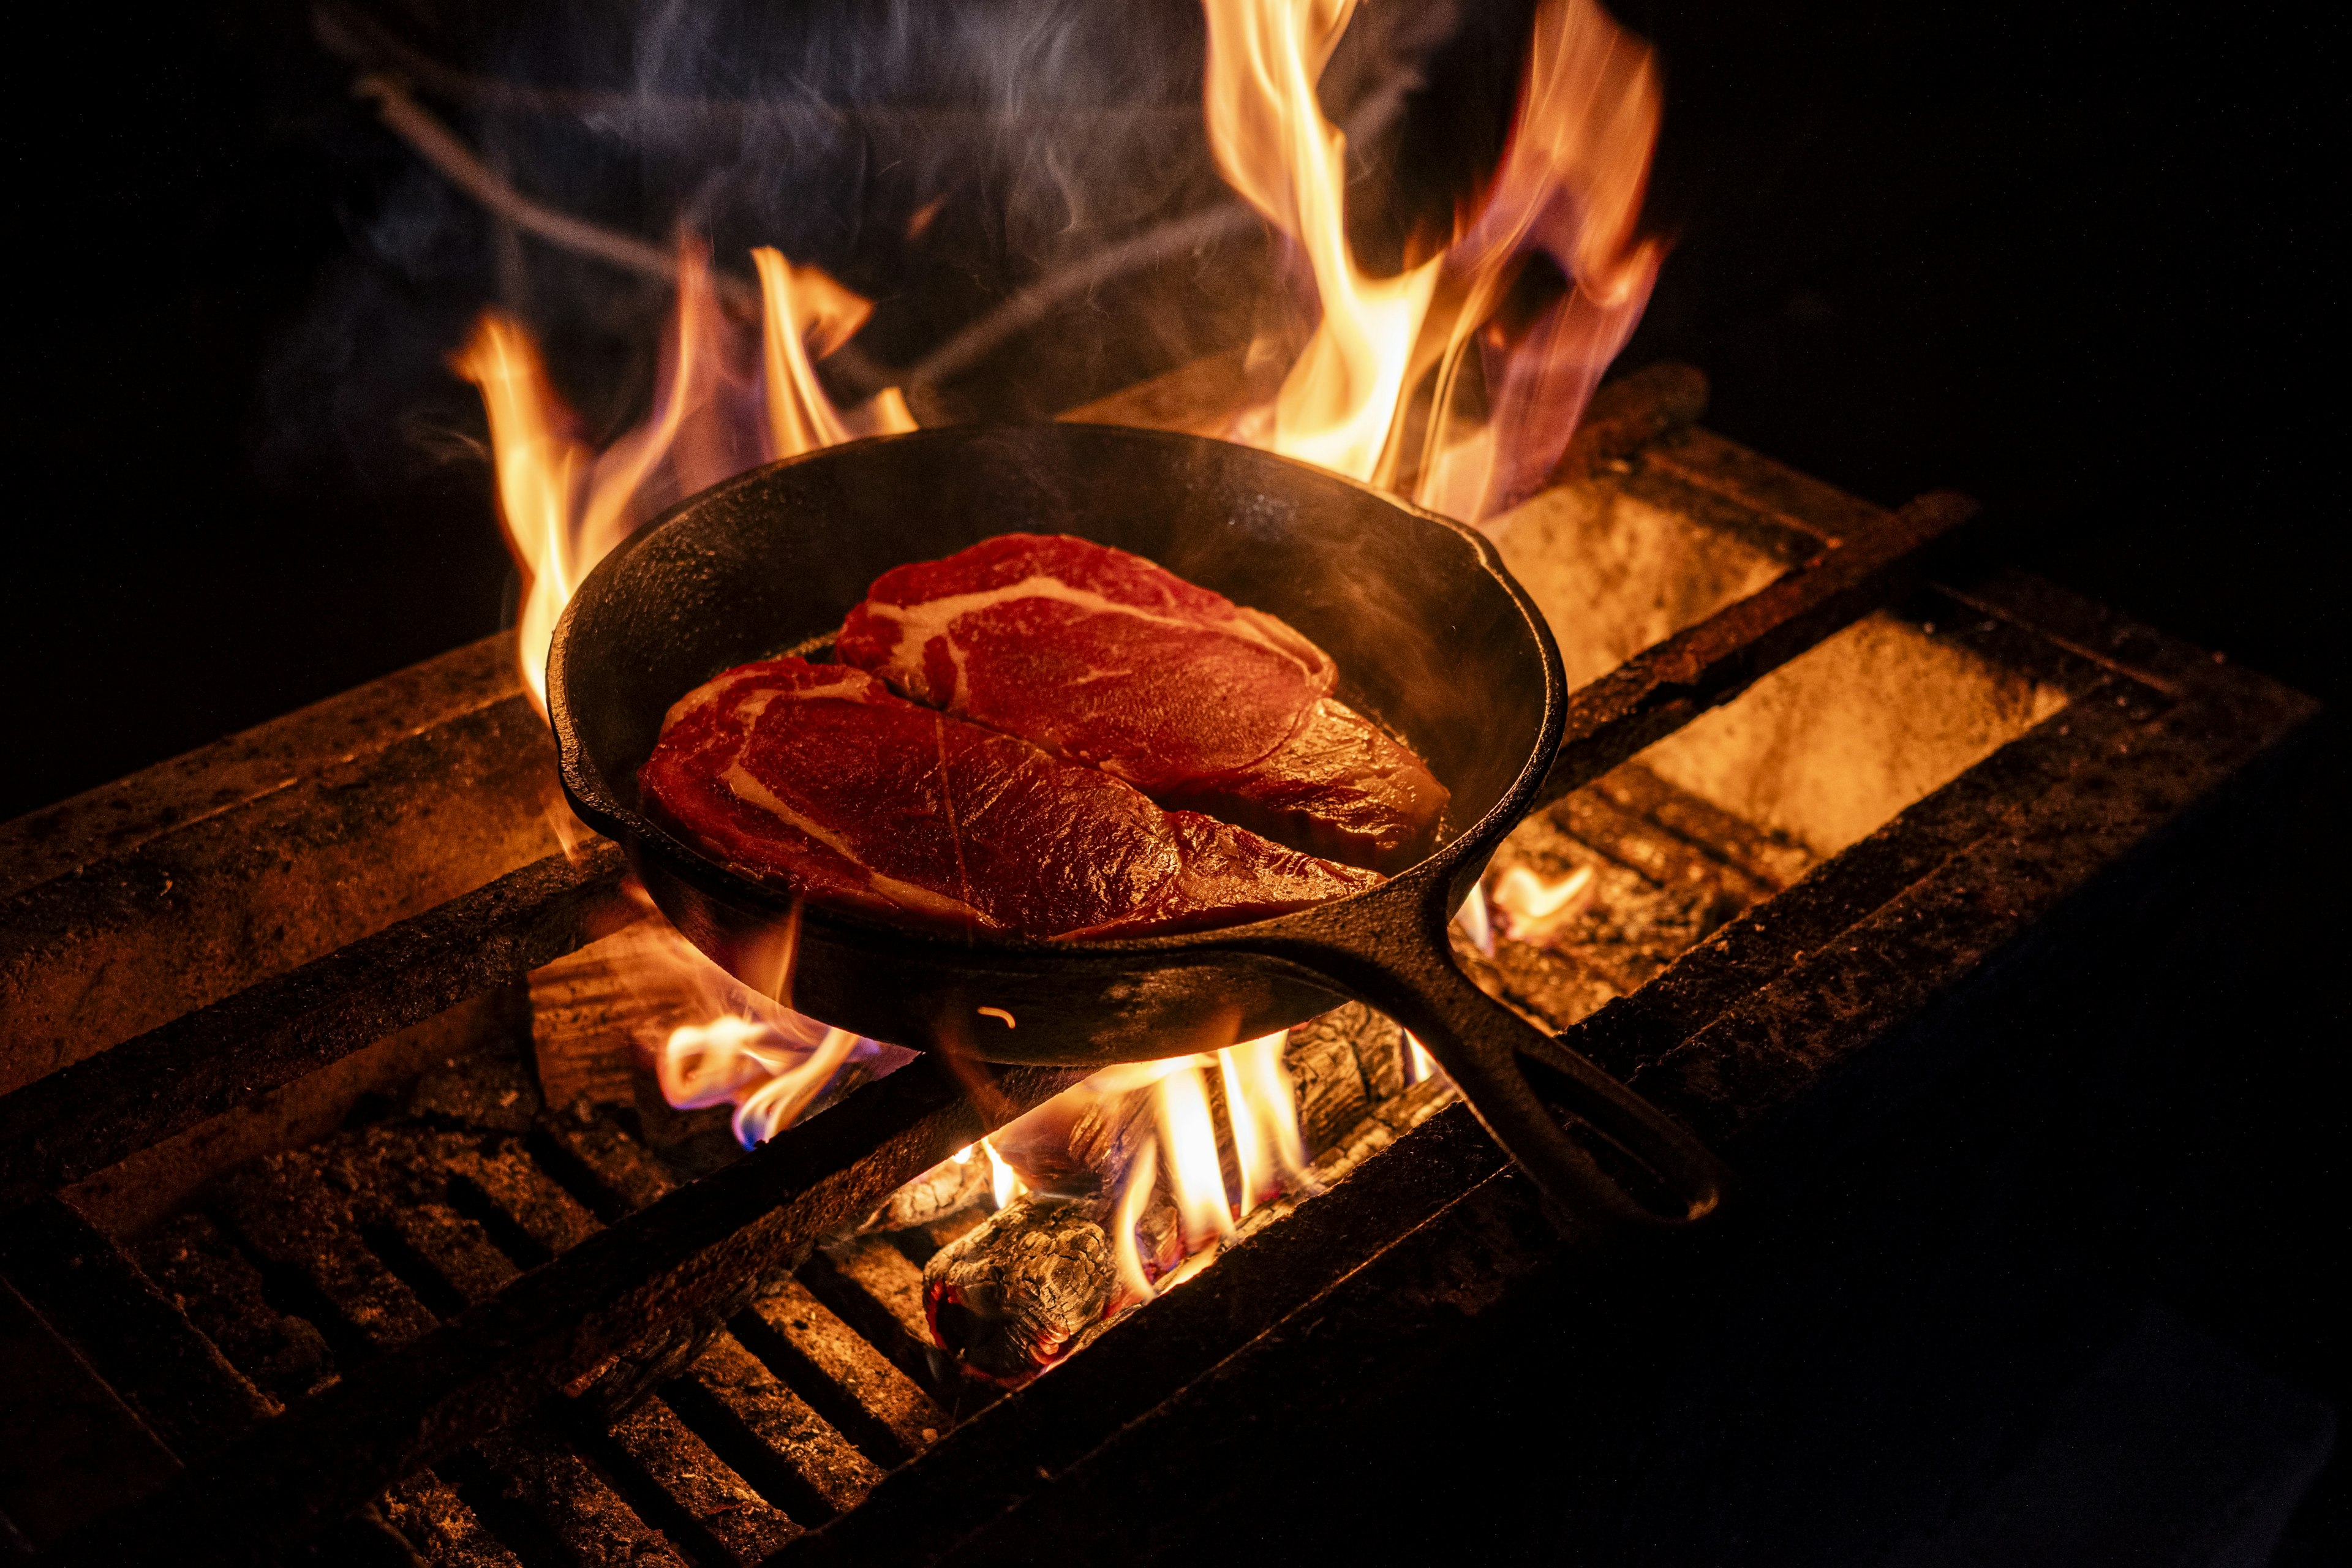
(1008, 1298)
(1111, 1216)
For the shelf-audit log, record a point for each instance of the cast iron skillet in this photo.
(1430, 636)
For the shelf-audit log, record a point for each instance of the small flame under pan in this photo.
(1431, 634)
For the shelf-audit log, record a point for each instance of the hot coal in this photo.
(1103, 658)
(817, 777)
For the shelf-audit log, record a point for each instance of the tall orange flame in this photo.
(1277, 150)
(1569, 184)
(564, 505)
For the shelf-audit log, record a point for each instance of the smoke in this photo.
(938, 157)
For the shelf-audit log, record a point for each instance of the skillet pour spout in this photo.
(1431, 637)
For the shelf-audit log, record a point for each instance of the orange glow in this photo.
(1261, 1110)
(1569, 185)
(771, 1064)
(1189, 1140)
(1419, 1065)
(564, 505)
(1276, 149)
(1172, 1164)
(1534, 907)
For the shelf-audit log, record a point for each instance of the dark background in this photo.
(2066, 262)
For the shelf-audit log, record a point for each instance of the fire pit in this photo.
(385, 1180)
(482, 1314)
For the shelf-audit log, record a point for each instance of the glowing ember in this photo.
(1534, 906)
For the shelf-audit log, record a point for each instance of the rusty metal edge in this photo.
(62, 1128)
(116, 818)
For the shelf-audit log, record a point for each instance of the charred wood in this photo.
(1007, 1299)
(947, 1188)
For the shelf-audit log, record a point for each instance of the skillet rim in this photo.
(585, 787)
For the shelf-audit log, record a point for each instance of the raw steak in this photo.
(819, 777)
(1103, 658)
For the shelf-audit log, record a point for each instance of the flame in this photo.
(1535, 906)
(1474, 921)
(742, 1047)
(563, 505)
(1173, 1165)
(1190, 1140)
(1143, 1174)
(1261, 1110)
(1569, 185)
(772, 1071)
(1004, 1183)
(1420, 1067)
(1276, 149)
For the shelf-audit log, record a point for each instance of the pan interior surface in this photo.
(1428, 639)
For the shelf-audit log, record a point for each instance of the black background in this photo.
(2066, 262)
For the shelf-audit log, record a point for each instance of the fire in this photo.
(1458, 380)
(1276, 149)
(1535, 906)
(1569, 185)
(771, 1070)
(1420, 1067)
(712, 1039)
(1268, 1148)
(564, 505)
(1164, 1196)
(1180, 1106)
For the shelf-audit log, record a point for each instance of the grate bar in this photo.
(620, 1290)
(87, 1117)
(1665, 687)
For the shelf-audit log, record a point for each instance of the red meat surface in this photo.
(819, 778)
(1105, 658)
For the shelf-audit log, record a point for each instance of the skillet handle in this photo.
(1513, 1075)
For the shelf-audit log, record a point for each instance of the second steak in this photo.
(1104, 657)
